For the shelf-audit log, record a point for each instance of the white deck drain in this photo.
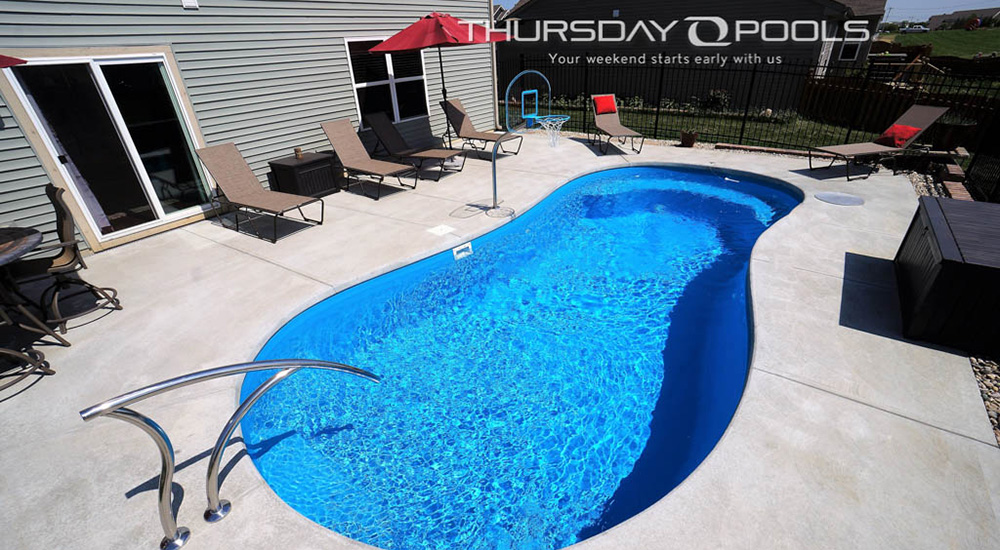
(441, 230)
(462, 251)
(840, 199)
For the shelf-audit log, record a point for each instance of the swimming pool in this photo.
(562, 378)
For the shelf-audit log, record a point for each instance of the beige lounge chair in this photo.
(395, 145)
(356, 161)
(610, 125)
(239, 188)
(917, 116)
(462, 125)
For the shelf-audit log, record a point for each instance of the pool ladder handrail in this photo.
(117, 407)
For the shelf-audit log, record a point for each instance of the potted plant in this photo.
(688, 138)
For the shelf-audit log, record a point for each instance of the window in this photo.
(849, 51)
(387, 83)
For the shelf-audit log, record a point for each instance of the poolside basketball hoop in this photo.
(552, 125)
(530, 115)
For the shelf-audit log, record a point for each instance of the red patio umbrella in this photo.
(438, 30)
(7, 61)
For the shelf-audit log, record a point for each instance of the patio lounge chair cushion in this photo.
(352, 152)
(897, 135)
(463, 127)
(604, 104)
(387, 133)
(239, 184)
(609, 124)
(396, 145)
(920, 117)
(852, 150)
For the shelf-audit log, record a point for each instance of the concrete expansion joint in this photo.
(992, 444)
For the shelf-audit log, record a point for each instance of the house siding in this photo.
(23, 201)
(261, 73)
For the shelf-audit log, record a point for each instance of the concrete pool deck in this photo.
(847, 436)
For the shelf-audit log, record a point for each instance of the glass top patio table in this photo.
(16, 242)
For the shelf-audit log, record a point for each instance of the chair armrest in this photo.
(54, 246)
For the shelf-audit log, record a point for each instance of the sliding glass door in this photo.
(152, 115)
(118, 132)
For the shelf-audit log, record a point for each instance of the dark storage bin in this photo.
(313, 175)
(948, 274)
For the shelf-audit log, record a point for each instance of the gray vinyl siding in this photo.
(261, 73)
(23, 201)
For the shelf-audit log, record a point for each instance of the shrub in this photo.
(717, 100)
(634, 102)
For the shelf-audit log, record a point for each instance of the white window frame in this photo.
(391, 81)
(857, 52)
(95, 62)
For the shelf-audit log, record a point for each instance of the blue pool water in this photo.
(568, 374)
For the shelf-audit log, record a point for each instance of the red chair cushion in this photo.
(604, 104)
(897, 135)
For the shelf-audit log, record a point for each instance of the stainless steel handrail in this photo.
(117, 407)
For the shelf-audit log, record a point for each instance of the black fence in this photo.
(788, 105)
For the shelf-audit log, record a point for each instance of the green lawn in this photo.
(787, 131)
(955, 43)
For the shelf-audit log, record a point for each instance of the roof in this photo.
(520, 4)
(859, 8)
(863, 8)
(981, 12)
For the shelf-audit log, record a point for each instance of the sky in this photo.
(899, 10)
(920, 10)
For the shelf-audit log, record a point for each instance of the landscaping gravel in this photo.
(988, 376)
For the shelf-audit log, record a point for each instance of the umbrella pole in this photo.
(444, 94)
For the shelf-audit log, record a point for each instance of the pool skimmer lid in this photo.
(441, 230)
(840, 199)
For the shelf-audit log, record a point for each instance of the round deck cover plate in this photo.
(840, 199)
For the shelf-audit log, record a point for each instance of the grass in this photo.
(960, 43)
(786, 130)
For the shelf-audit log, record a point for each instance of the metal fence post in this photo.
(746, 106)
(857, 115)
(586, 92)
(659, 102)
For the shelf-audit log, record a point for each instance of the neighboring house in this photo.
(117, 95)
(832, 12)
(949, 19)
(499, 12)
